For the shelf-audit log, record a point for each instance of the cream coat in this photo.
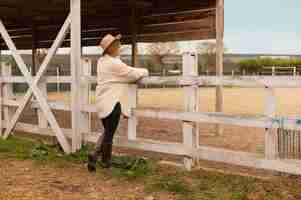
(113, 78)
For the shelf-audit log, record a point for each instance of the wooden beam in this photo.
(134, 35)
(180, 12)
(219, 57)
(33, 50)
(76, 71)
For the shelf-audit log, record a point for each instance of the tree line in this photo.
(257, 65)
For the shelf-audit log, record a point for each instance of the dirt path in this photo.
(24, 180)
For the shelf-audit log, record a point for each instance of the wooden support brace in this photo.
(33, 88)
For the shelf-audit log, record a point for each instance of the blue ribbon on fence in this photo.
(280, 121)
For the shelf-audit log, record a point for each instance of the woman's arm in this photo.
(127, 73)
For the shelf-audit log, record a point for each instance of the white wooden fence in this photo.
(190, 148)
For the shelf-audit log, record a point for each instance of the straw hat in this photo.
(108, 40)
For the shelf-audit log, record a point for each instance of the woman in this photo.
(113, 77)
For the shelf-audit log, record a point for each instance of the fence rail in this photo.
(190, 117)
(239, 81)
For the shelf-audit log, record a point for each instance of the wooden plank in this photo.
(219, 58)
(33, 84)
(215, 118)
(76, 72)
(132, 120)
(42, 120)
(134, 35)
(6, 70)
(85, 95)
(132, 95)
(248, 160)
(236, 81)
(142, 144)
(270, 133)
(203, 117)
(55, 105)
(204, 152)
(191, 94)
(48, 79)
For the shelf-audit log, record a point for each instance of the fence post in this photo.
(1, 96)
(85, 93)
(191, 94)
(271, 151)
(132, 121)
(295, 70)
(7, 93)
(273, 71)
(76, 72)
(43, 123)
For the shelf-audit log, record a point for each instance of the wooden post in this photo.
(219, 57)
(191, 94)
(43, 122)
(134, 35)
(76, 70)
(294, 72)
(273, 71)
(33, 50)
(85, 94)
(8, 112)
(132, 98)
(271, 151)
(1, 96)
(132, 121)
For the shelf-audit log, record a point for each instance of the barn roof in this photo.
(156, 20)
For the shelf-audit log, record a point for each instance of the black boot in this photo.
(92, 158)
(92, 162)
(107, 155)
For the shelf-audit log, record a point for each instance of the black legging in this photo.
(110, 124)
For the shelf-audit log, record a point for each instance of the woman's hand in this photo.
(125, 117)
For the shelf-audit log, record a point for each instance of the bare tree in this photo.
(208, 55)
(160, 50)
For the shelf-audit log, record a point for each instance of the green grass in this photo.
(197, 185)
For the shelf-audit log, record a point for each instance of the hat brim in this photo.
(116, 39)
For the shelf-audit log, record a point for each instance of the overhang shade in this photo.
(36, 23)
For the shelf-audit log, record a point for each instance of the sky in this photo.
(263, 26)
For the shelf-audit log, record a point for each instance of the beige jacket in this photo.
(113, 78)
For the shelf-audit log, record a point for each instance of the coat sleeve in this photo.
(127, 73)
